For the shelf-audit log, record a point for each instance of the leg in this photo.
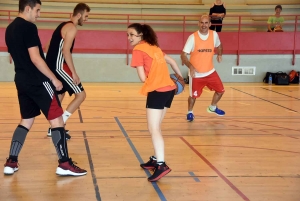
(66, 165)
(219, 27)
(16, 145)
(191, 103)
(215, 84)
(217, 96)
(76, 102)
(154, 121)
(74, 105)
(212, 26)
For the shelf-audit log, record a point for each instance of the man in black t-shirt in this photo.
(36, 86)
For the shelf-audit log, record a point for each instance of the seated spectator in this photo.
(217, 13)
(275, 22)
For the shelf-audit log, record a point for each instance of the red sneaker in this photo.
(69, 168)
(159, 172)
(150, 165)
(10, 167)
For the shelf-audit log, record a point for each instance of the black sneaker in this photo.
(68, 137)
(150, 165)
(160, 171)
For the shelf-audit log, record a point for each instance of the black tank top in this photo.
(217, 9)
(54, 56)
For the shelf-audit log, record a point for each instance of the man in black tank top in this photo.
(59, 59)
(36, 86)
(217, 13)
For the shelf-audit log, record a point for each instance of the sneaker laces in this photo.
(72, 163)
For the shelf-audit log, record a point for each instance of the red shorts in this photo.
(212, 81)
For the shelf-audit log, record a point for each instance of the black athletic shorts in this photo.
(36, 98)
(160, 100)
(64, 74)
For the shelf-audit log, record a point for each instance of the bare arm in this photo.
(173, 64)
(269, 27)
(68, 41)
(141, 73)
(186, 62)
(220, 53)
(41, 65)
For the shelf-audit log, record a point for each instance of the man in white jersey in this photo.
(200, 45)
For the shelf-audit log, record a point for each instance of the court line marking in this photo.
(264, 100)
(137, 155)
(294, 152)
(194, 176)
(216, 170)
(87, 147)
(281, 93)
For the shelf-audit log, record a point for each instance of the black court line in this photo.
(87, 147)
(265, 100)
(281, 93)
(168, 177)
(80, 116)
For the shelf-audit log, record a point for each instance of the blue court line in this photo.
(154, 184)
(96, 187)
(195, 178)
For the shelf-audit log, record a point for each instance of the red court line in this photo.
(216, 170)
(294, 152)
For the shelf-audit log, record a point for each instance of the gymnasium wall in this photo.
(113, 67)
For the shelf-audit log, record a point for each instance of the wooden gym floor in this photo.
(252, 153)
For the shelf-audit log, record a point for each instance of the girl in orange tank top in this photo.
(152, 69)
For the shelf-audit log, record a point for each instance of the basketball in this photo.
(179, 82)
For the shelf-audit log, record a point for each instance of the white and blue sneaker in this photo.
(190, 117)
(218, 111)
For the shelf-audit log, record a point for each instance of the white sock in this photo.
(212, 107)
(191, 111)
(66, 116)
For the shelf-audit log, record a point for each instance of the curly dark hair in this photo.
(147, 32)
(278, 6)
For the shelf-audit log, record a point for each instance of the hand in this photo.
(76, 79)
(58, 85)
(192, 71)
(219, 58)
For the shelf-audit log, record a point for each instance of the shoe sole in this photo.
(215, 113)
(62, 172)
(9, 170)
(148, 168)
(160, 176)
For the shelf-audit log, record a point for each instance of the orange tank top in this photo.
(159, 75)
(202, 56)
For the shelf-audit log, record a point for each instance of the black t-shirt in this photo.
(19, 36)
